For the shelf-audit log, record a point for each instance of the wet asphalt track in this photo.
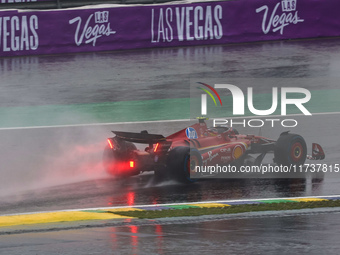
(306, 232)
(85, 185)
(60, 168)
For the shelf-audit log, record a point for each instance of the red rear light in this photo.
(110, 143)
(132, 164)
(155, 149)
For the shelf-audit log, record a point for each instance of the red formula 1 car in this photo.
(178, 155)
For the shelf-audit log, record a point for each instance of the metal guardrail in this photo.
(59, 4)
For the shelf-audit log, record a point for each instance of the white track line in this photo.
(155, 205)
(157, 121)
(95, 124)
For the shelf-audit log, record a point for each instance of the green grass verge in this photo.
(229, 209)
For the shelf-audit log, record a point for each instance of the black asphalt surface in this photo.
(60, 168)
(161, 73)
(69, 175)
(306, 232)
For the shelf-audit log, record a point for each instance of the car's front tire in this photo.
(290, 149)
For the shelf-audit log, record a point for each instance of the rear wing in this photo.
(143, 137)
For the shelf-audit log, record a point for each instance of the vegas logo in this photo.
(91, 33)
(276, 21)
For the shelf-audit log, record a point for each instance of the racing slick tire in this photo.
(290, 150)
(115, 160)
(181, 161)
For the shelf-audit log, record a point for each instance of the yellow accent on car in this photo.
(237, 152)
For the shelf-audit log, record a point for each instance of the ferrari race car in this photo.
(178, 155)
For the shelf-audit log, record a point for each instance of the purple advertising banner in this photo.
(85, 30)
(22, 1)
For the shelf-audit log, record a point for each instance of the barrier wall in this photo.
(131, 27)
(22, 1)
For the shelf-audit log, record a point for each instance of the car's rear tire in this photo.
(290, 149)
(115, 160)
(181, 161)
